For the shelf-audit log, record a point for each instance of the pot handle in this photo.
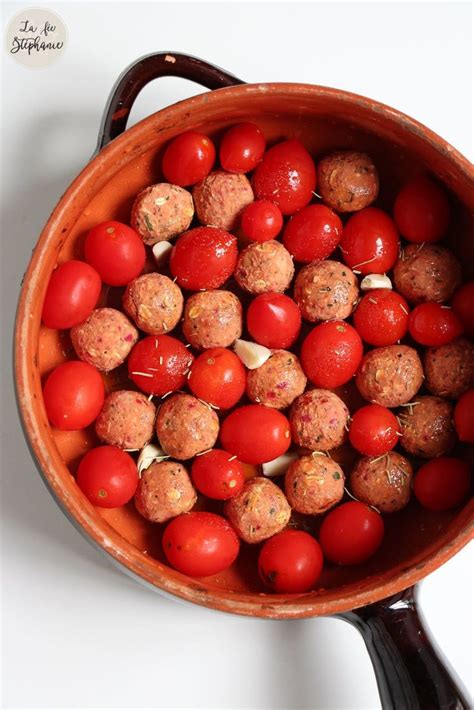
(410, 671)
(144, 70)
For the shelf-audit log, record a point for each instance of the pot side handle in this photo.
(410, 671)
(144, 70)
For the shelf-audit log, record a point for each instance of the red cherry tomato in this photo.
(108, 477)
(464, 417)
(256, 434)
(370, 241)
(421, 211)
(373, 430)
(218, 377)
(433, 324)
(200, 544)
(351, 533)
(159, 364)
(71, 296)
(462, 303)
(203, 258)
(261, 221)
(443, 483)
(290, 562)
(116, 251)
(313, 233)
(188, 158)
(242, 148)
(286, 176)
(73, 395)
(274, 320)
(381, 318)
(331, 354)
(217, 474)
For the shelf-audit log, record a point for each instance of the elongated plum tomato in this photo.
(256, 434)
(312, 233)
(373, 430)
(71, 296)
(443, 483)
(107, 476)
(274, 320)
(73, 395)
(290, 562)
(331, 354)
(159, 364)
(217, 474)
(433, 325)
(462, 304)
(464, 417)
(261, 221)
(217, 376)
(188, 158)
(242, 148)
(116, 251)
(200, 544)
(286, 176)
(421, 211)
(351, 533)
(203, 258)
(381, 318)
(370, 241)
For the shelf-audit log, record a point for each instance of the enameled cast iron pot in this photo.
(377, 597)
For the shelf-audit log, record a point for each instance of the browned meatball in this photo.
(383, 481)
(427, 427)
(127, 420)
(221, 197)
(347, 180)
(313, 484)
(426, 272)
(164, 491)
(390, 376)
(278, 381)
(326, 290)
(449, 369)
(185, 426)
(264, 267)
(104, 339)
(212, 319)
(318, 420)
(259, 511)
(154, 302)
(161, 212)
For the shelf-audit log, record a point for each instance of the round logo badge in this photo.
(35, 37)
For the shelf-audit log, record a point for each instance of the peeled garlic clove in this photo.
(278, 466)
(161, 252)
(375, 281)
(151, 453)
(251, 354)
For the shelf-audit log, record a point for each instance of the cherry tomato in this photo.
(71, 296)
(261, 220)
(73, 395)
(331, 354)
(242, 148)
(462, 303)
(274, 320)
(421, 211)
(464, 417)
(159, 364)
(200, 544)
(188, 158)
(217, 474)
(381, 318)
(107, 476)
(290, 562)
(443, 483)
(218, 377)
(256, 434)
(313, 233)
(116, 251)
(203, 258)
(373, 430)
(286, 176)
(351, 533)
(433, 324)
(370, 241)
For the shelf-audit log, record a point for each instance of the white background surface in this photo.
(76, 632)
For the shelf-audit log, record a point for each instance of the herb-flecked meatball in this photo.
(212, 319)
(318, 420)
(426, 272)
(347, 180)
(390, 376)
(449, 369)
(383, 481)
(314, 484)
(326, 290)
(161, 212)
(127, 420)
(185, 426)
(278, 381)
(264, 267)
(164, 491)
(427, 427)
(259, 511)
(154, 302)
(104, 339)
(221, 197)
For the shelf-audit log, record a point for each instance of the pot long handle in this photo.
(410, 671)
(144, 70)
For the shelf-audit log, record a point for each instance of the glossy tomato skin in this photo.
(373, 430)
(286, 176)
(442, 483)
(331, 354)
(290, 562)
(73, 395)
(313, 233)
(204, 258)
(200, 544)
(421, 211)
(116, 251)
(217, 474)
(370, 241)
(107, 476)
(464, 417)
(274, 320)
(261, 221)
(188, 158)
(462, 304)
(432, 324)
(351, 533)
(381, 318)
(242, 148)
(217, 376)
(71, 296)
(256, 434)
(159, 364)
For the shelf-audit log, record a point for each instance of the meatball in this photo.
(264, 267)
(390, 376)
(220, 198)
(259, 511)
(318, 420)
(449, 369)
(127, 420)
(161, 212)
(154, 302)
(347, 180)
(104, 339)
(313, 484)
(326, 290)
(185, 426)
(278, 381)
(426, 272)
(383, 481)
(164, 491)
(427, 427)
(212, 319)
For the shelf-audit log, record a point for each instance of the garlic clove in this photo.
(161, 252)
(252, 355)
(151, 453)
(278, 466)
(375, 281)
